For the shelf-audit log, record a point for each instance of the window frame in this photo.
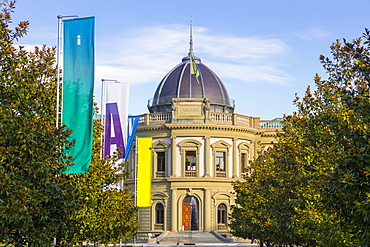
(222, 158)
(222, 223)
(190, 145)
(160, 147)
(159, 217)
(221, 146)
(161, 162)
(159, 214)
(244, 165)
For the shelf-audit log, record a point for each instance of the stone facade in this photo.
(196, 156)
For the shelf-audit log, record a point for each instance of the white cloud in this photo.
(313, 33)
(145, 55)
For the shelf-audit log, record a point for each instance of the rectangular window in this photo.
(221, 217)
(190, 161)
(243, 162)
(161, 159)
(220, 162)
(190, 164)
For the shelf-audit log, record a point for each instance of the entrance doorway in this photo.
(190, 214)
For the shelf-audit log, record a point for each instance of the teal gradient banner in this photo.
(78, 89)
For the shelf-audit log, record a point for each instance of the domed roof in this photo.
(179, 83)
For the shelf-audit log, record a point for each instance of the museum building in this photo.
(200, 146)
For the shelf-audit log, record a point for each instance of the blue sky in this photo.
(264, 51)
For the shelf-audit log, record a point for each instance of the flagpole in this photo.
(60, 17)
(102, 117)
(135, 170)
(58, 69)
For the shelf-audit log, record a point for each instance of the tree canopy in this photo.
(312, 188)
(33, 205)
(37, 201)
(108, 214)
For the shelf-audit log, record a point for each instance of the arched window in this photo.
(159, 214)
(222, 216)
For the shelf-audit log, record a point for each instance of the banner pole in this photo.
(60, 17)
(135, 170)
(58, 68)
(102, 118)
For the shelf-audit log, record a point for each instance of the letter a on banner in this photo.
(116, 114)
(144, 172)
(78, 89)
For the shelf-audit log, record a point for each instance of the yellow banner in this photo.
(144, 172)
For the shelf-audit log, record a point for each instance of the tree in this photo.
(37, 201)
(33, 204)
(313, 186)
(108, 213)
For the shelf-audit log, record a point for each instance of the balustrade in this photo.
(271, 125)
(215, 117)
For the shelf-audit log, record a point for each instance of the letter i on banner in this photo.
(116, 115)
(144, 172)
(78, 89)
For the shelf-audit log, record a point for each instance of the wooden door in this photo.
(186, 215)
(190, 215)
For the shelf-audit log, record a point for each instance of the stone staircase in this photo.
(190, 237)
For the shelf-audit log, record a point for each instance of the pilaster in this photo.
(207, 210)
(173, 218)
(207, 157)
(235, 158)
(173, 154)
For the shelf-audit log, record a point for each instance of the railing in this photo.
(191, 174)
(221, 117)
(216, 118)
(221, 174)
(271, 124)
(165, 116)
(221, 227)
(242, 119)
(160, 174)
(158, 226)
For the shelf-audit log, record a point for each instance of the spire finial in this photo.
(191, 36)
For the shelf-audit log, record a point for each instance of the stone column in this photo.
(235, 158)
(207, 157)
(173, 212)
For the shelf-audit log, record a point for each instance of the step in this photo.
(190, 237)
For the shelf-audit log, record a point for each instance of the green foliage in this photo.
(312, 188)
(33, 205)
(108, 214)
(37, 201)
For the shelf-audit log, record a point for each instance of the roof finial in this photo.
(191, 36)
